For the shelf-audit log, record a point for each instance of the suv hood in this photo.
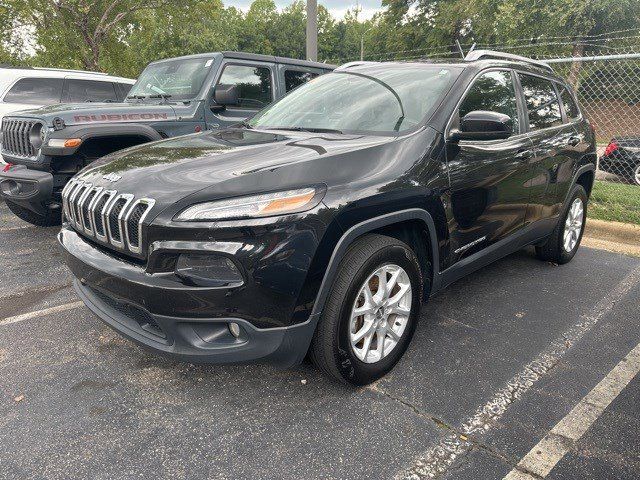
(231, 162)
(92, 113)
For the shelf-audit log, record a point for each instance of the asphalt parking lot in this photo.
(522, 370)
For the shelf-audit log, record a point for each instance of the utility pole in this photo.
(312, 30)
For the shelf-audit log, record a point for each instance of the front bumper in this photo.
(129, 299)
(31, 189)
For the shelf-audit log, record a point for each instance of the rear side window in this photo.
(295, 78)
(494, 92)
(542, 102)
(35, 91)
(80, 91)
(253, 83)
(570, 106)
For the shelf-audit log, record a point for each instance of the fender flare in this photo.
(590, 167)
(367, 226)
(86, 132)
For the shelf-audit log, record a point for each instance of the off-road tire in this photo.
(51, 219)
(553, 250)
(330, 348)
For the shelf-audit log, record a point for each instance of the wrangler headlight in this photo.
(254, 206)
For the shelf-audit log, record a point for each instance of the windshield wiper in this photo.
(310, 130)
(136, 97)
(246, 125)
(163, 96)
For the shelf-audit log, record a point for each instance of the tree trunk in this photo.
(576, 66)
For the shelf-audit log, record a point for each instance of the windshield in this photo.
(380, 99)
(179, 79)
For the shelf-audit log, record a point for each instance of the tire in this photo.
(555, 249)
(635, 175)
(331, 348)
(52, 218)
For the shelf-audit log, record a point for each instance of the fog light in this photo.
(208, 270)
(234, 328)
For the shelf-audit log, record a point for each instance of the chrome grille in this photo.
(106, 215)
(15, 138)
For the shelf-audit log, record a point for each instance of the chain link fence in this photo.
(608, 87)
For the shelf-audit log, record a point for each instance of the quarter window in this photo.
(79, 91)
(542, 102)
(35, 91)
(494, 92)
(295, 78)
(253, 84)
(570, 106)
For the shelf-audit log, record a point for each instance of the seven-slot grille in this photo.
(15, 137)
(106, 215)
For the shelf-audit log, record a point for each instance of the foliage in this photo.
(122, 36)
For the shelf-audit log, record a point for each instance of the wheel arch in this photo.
(409, 226)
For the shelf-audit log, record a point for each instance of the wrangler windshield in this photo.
(377, 99)
(180, 79)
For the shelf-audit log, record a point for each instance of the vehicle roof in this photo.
(255, 57)
(20, 72)
(477, 65)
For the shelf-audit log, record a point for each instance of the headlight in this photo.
(254, 206)
(37, 134)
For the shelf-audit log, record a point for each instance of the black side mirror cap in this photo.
(224, 96)
(483, 125)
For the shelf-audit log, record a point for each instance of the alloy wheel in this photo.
(573, 225)
(380, 313)
(636, 175)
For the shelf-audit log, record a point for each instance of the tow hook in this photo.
(7, 167)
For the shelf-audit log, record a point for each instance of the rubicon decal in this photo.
(115, 117)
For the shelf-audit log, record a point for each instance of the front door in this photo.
(488, 196)
(255, 85)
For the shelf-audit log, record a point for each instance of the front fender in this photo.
(86, 132)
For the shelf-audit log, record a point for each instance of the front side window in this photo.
(374, 99)
(570, 106)
(180, 79)
(79, 91)
(295, 78)
(35, 91)
(542, 102)
(493, 92)
(253, 84)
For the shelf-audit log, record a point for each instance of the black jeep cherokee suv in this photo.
(320, 226)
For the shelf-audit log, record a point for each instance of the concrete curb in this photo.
(613, 236)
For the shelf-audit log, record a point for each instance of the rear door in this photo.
(555, 141)
(255, 82)
(487, 177)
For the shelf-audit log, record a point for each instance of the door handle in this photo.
(524, 154)
(573, 141)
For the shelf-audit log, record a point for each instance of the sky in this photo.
(336, 7)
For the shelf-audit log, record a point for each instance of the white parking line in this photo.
(563, 437)
(442, 455)
(38, 313)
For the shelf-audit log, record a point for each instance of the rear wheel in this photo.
(51, 219)
(635, 177)
(371, 313)
(566, 237)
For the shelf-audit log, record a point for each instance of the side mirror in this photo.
(223, 96)
(483, 125)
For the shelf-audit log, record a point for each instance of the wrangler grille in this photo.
(15, 138)
(107, 216)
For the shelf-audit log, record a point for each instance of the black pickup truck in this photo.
(45, 147)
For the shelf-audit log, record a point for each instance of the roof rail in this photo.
(356, 63)
(480, 54)
(70, 71)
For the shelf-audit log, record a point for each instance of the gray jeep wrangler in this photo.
(45, 147)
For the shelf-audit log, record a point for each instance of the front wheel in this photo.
(371, 312)
(566, 237)
(51, 219)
